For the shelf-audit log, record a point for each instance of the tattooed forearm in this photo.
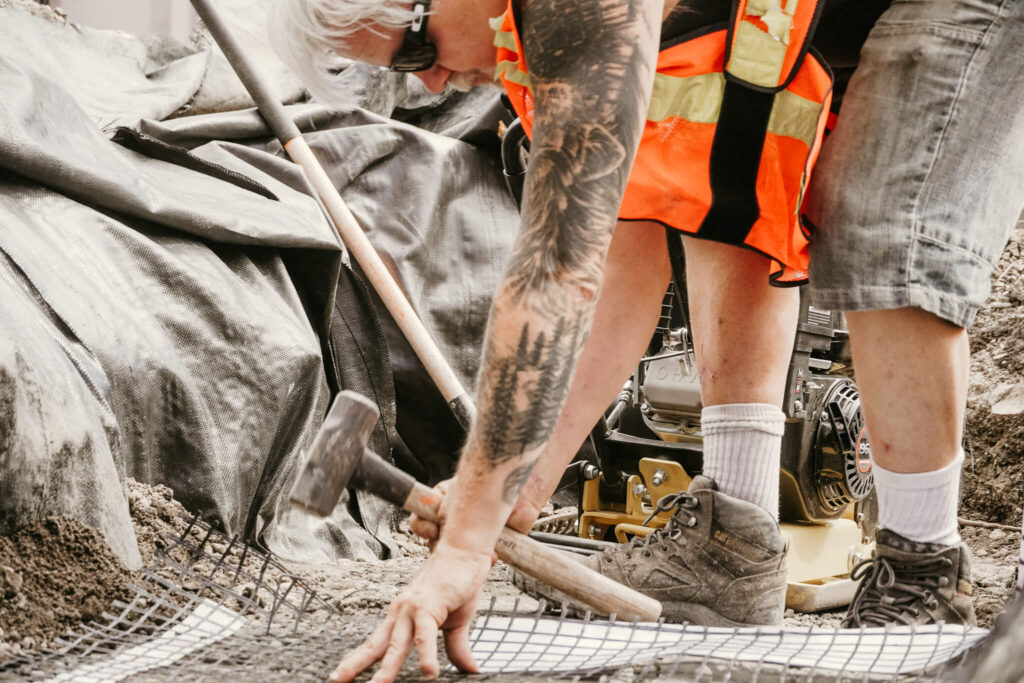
(591, 64)
(515, 482)
(525, 389)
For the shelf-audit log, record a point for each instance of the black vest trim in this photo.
(735, 159)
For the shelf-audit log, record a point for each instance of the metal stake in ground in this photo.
(282, 125)
(339, 459)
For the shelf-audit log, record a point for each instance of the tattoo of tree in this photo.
(515, 481)
(525, 389)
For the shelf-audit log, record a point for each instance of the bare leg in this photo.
(912, 373)
(743, 328)
(635, 278)
(743, 331)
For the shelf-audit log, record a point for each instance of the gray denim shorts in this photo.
(922, 180)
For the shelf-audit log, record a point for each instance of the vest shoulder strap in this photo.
(768, 41)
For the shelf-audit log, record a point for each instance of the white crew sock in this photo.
(920, 506)
(742, 446)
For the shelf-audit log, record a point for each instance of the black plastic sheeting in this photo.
(175, 307)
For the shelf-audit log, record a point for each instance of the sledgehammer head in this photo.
(336, 451)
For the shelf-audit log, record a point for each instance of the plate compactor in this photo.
(649, 444)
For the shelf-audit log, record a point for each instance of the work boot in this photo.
(719, 561)
(912, 583)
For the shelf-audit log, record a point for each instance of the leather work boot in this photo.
(719, 561)
(912, 583)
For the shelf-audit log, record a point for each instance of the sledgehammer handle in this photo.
(556, 569)
(576, 580)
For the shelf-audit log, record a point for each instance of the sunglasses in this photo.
(416, 53)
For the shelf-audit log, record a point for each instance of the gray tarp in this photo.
(175, 308)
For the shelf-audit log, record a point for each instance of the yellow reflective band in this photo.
(794, 117)
(505, 39)
(510, 70)
(495, 22)
(698, 99)
(756, 56)
(694, 98)
(777, 18)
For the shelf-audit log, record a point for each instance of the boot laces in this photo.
(682, 504)
(887, 595)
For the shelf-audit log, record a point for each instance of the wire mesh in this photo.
(571, 648)
(213, 608)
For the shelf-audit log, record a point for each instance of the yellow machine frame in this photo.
(819, 559)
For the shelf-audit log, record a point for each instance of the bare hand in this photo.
(522, 517)
(424, 528)
(443, 595)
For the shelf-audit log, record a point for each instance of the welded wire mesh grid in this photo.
(569, 648)
(214, 609)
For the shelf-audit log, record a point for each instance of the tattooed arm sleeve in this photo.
(591, 64)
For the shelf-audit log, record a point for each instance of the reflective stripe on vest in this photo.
(694, 98)
(763, 145)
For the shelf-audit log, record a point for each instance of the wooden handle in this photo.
(352, 235)
(380, 278)
(596, 591)
(423, 501)
(601, 594)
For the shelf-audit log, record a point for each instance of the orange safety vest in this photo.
(734, 126)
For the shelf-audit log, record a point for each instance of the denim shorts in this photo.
(920, 183)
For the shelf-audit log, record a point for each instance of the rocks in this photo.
(248, 590)
(1010, 400)
(10, 580)
(54, 14)
(997, 535)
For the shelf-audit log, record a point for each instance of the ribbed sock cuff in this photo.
(742, 446)
(921, 506)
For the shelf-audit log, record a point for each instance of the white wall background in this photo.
(161, 17)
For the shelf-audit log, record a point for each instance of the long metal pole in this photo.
(352, 235)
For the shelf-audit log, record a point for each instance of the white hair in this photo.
(307, 35)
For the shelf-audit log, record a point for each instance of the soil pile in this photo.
(166, 543)
(156, 516)
(993, 568)
(55, 574)
(992, 487)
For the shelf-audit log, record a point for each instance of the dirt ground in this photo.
(993, 481)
